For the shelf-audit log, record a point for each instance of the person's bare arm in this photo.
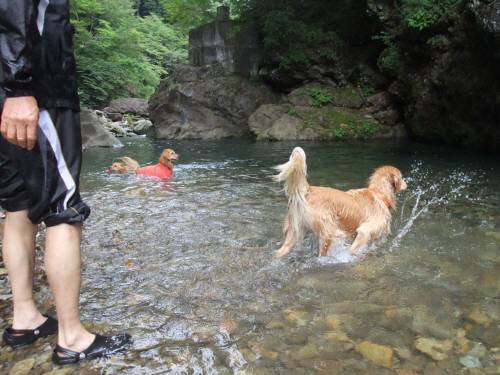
(19, 119)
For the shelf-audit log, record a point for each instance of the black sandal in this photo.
(21, 337)
(103, 346)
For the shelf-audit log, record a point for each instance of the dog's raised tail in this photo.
(294, 174)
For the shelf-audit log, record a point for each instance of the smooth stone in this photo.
(425, 324)
(495, 235)
(23, 367)
(470, 361)
(275, 324)
(406, 372)
(260, 351)
(333, 321)
(436, 349)
(305, 352)
(248, 355)
(479, 317)
(45, 356)
(336, 337)
(296, 317)
(403, 353)
(379, 354)
(478, 350)
(61, 371)
(464, 344)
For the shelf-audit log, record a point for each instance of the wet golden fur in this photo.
(332, 214)
(128, 165)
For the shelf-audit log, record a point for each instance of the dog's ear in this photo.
(395, 181)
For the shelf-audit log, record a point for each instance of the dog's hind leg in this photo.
(289, 240)
(288, 245)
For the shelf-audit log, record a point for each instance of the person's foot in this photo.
(15, 337)
(102, 346)
(31, 320)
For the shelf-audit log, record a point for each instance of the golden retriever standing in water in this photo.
(332, 214)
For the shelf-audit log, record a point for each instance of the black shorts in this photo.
(45, 180)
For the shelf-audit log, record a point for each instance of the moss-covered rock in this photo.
(289, 122)
(318, 95)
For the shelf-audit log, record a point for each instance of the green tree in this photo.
(119, 54)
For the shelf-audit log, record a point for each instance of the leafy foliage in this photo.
(422, 14)
(389, 60)
(292, 28)
(320, 96)
(119, 53)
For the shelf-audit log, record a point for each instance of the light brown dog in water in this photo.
(163, 170)
(333, 214)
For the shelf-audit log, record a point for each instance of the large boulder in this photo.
(94, 132)
(205, 103)
(141, 126)
(288, 122)
(134, 106)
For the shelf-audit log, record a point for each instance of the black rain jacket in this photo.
(36, 51)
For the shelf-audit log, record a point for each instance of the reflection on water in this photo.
(187, 265)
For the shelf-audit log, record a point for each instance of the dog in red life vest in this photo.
(164, 170)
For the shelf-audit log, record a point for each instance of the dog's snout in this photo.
(404, 185)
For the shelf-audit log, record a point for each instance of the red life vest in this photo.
(157, 170)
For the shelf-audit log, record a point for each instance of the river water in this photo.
(186, 266)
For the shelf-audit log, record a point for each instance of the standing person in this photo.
(40, 159)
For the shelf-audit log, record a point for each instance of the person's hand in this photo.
(20, 121)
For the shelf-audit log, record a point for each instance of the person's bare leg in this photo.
(19, 258)
(62, 264)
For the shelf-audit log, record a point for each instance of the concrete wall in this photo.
(235, 46)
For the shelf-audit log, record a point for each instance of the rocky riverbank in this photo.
(208, 103)
(435, 78)
(126, 117)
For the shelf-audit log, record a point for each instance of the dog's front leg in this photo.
(362, 239)
(324, 247)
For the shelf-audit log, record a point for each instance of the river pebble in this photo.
(379, 354)
(470, 361)
(23, 367)
(436, 349)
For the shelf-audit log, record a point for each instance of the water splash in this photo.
(426, 190)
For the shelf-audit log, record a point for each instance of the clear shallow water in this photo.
(186, 266)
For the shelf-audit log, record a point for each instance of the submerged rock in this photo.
(380, 354)
(307, 351)
(296, 317)
(425, 323)
(470, 361)
(23, 367)
(436, 349)
(479, 317)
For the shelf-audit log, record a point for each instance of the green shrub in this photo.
(422, 14)
(389, 60)
(320, 96)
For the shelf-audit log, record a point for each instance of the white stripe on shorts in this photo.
(48, 128)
